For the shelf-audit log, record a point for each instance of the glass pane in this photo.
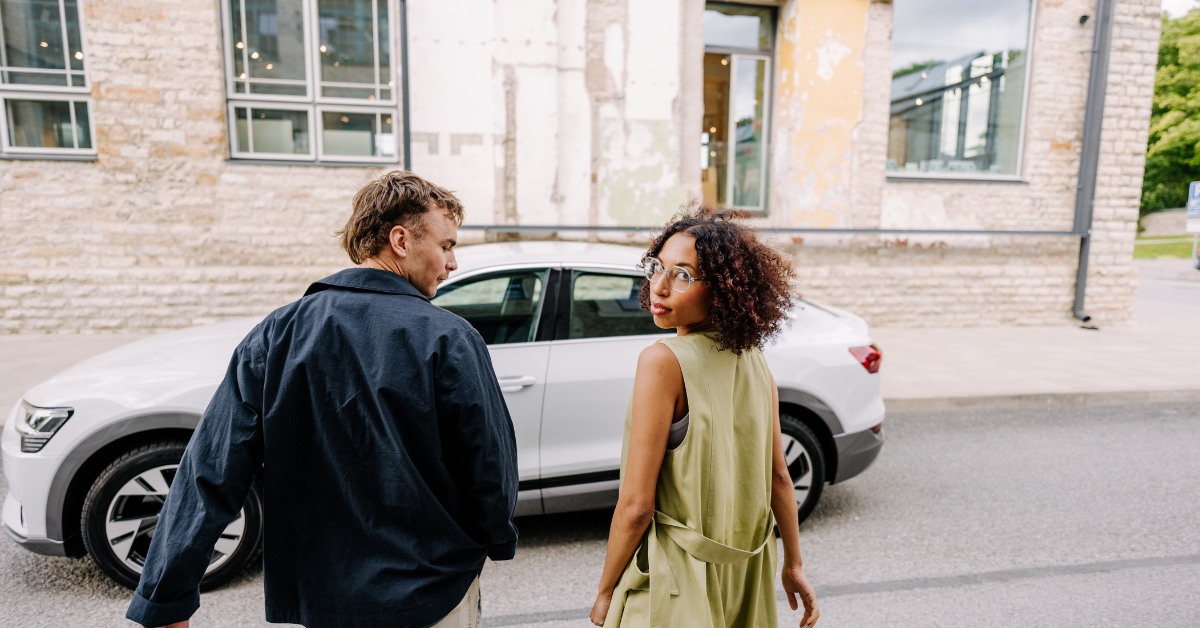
(607, 305)
(32, 31)
(348, 46)
(83, 126)
(502, 307)
(385, 55)
(277, 89)
(40, 123)
(714, 156)
(350, 134)
(749, 158)
(732, 26)
(268, 43)
(386, 140)
(272, 131)
(958, 86)
(243, 137)
(74, 47)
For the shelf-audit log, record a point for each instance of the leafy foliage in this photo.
(1173, 156)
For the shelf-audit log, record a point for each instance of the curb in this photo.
(1042, 400)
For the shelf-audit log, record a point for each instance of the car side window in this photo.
(503, 307)
(604, 305)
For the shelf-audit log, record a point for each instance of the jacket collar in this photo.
(366, 279)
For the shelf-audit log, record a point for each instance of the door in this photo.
(588, 383)
(505, 307)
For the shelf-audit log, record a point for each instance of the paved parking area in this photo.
(1060, 517)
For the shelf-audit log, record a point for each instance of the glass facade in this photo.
(958, 87)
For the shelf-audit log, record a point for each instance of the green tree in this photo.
(1173, 156)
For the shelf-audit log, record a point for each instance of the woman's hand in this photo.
(600, 608)
(796, 583)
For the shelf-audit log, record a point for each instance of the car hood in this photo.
(177, 369)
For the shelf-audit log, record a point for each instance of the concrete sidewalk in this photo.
(1151, 360)
(923, 368)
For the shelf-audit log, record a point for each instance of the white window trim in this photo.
(1019, 172)
(313, 102)
(73, 94)
(394, 158)
(250, 107)
(731, 145)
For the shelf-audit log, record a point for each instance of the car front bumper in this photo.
(856, 452)
(14, 527)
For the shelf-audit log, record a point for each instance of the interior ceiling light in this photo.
(924, 75)
(345, 119)
(388, 120)
(322, 48)
(78, 55)
(920, 102)
(45, 45)
(724, 61)
(254, 55)
(270, 65)
(239, 45)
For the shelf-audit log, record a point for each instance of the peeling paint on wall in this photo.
(818, 103)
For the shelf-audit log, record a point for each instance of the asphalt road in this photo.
(1082, 516)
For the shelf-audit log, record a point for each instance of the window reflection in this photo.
(268, 48)
(354, 43)
(958, 86)
(279, 131)
(360, 134)
(48, 124)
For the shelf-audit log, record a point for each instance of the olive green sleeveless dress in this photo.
(708, 558)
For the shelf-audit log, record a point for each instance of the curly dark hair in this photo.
(750, 279)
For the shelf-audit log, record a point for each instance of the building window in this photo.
(738, 44)
(44, 90)
(959, 77)
(312, 80)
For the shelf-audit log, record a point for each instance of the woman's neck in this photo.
(703, 325)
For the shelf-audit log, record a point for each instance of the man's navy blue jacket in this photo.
(388, 457)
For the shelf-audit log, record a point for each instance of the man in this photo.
(388, 457)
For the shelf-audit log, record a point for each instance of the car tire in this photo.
(806, 463)
(121, 511)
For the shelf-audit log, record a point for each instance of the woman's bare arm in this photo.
(783, 504)
(657, 392)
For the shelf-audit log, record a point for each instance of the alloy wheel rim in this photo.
(799, 463)
(133, 516)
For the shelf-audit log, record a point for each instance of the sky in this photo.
(941, 30)
(1176, 8)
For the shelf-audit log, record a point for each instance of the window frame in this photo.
(768, 111)
(320, 120)
(56, 93)
(1019, 175)
(312, 100)
(250, 106)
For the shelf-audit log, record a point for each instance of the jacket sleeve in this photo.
(209, 489)
(484, 459)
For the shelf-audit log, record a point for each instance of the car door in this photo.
(590, 377)
(506, 308)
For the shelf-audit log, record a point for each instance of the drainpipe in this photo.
(406, 137)
(1089, 154)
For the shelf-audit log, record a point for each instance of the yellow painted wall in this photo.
(818, 87)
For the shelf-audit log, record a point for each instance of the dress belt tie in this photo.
(695, 544)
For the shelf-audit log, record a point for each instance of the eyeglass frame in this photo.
(650, 261)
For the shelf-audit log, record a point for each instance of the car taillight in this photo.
(877, 429)
(869, 357)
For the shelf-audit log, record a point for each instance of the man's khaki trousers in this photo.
(468, 612)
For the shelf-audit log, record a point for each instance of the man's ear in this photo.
(399, 239)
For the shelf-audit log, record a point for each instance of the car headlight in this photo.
(36, 425)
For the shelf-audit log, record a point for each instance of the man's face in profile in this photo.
(431, 257)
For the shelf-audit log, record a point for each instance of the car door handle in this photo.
(513, 384)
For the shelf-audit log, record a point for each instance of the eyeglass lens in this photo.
(678, 278)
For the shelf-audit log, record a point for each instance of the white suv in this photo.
(90, 454)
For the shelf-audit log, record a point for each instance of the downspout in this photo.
(406, 136)
(1089, 154)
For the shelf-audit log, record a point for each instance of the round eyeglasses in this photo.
(678, 277)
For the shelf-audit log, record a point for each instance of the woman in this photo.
(702, 468)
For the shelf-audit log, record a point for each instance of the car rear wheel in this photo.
(806, 463)
(121, 513)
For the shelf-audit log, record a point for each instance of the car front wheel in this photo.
(806, 463)
(121, 513)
